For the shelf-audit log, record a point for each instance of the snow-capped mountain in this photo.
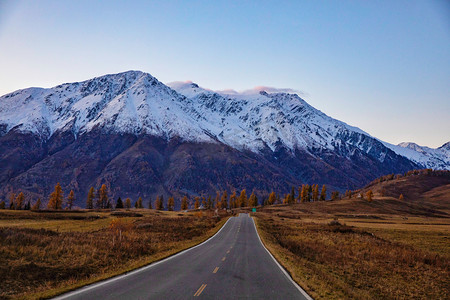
(130, 102)
(438, 158)
(145, 137)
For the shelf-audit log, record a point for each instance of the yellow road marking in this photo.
(200, 290)
(223, 259)
(215, 270)
(228, 251)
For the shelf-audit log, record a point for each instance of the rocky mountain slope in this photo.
(143, 138)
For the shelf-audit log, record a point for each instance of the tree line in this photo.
(99, 199)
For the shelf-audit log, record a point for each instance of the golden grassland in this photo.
(361, 250)
(46, 253)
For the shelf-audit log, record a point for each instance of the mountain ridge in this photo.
(280, 130)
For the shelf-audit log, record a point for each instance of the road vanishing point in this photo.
(233, 264)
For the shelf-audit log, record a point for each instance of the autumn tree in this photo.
(233, 199)
(299, 197)
(308, 193)
(224, 200)
(369, 195)
(272, 198)
(197, 202)
(2, 204)
(401, 198)
(323, 193)
(37, 205)
(150, 204)
(184, 203)
(128, 203)
(361, 195)
(119, 203)
(19, 201)
(291, 197)
(209, 203)
(160, 202)
(286, 199)
(243, 198)
(90, 199)
(139, 203)
(303, 193)
(315, 194)
(335, 195)
(217, 200)
(170, 204)
(253, 200)
(103, 197)
(56, 198)
(70, 199)
(12, 198)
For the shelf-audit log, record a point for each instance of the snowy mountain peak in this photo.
(136, 102)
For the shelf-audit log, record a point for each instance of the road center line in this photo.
(228, 251)
(223, 259)
(200, 290)
(215, 270)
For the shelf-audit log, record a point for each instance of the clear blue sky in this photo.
(383, 66)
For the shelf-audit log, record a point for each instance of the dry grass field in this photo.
(383, 249)
(45, 253)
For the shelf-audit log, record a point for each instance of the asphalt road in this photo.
(231, 265)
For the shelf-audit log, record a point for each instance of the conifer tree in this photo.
(209, 203)
(56, 198)
(308, 193)
(292, 196)
(136, 204)
(217, 200)
(204, 201)
(70, 199)
(12, 198)
(128, 203)
(184, 203)
(2, 204)
(160, 202)
(170, 204)
(369, 195)
(119, 203)
(157, 202)
(233, 200)
(150, 204)
(253, 200)
(139, 203)
(316, 192)
(90, 199)
(304, 192)
(197, 202)
(323, 193)
(28, 205)
(224, 200)
(19, 201)
(37, 205)
(335, 195)
(103, 196)
(272, 198)
(243, 198)
(299, 197)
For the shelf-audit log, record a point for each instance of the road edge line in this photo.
(304, 293)
(118, 277)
